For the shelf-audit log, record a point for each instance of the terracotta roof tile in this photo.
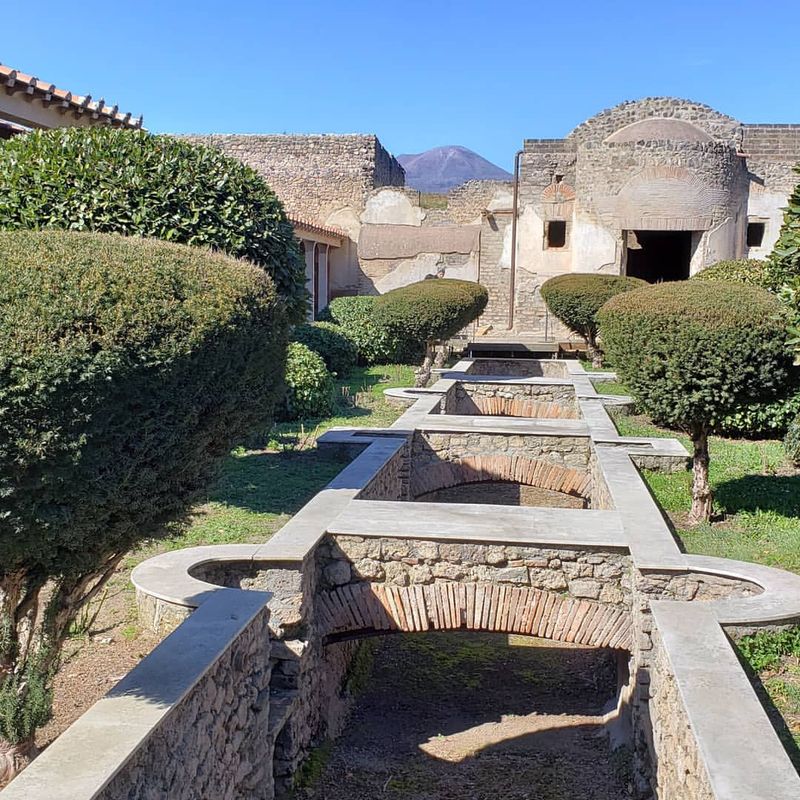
(15, 81)
(313, 227)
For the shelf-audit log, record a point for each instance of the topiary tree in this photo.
(130, 182)
(791, 442)
(331, 342)
(309, 385)
(577, 297)
(783, 263)
(128, 369)
(691, 352)
(427, 312)
(356, 317)
(749, 271)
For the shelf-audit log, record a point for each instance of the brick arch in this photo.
(498, 406)
(374, 608)
(517, 469)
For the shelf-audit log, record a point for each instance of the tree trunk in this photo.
(442, 354)
(14, 758)
(424, 372)
(702, 496)
(595, 353)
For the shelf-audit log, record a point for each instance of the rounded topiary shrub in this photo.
(791, 442)
(768, 418)
(133, 183)
(309, 385)
(330, 341)
(749, 271)
(692, 352)
(428, 312)
(356, 317)
(129, 367)
(577, 297)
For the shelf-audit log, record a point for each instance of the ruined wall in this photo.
(467, 202)
(317, 174)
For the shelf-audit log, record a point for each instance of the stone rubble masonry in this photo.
(678, 763)
(531, 400)
(314, 175)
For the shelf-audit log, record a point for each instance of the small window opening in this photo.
(559, 178)
(556, 233)
(755, 233)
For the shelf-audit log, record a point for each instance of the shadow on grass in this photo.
(276, 483)
(778, 493)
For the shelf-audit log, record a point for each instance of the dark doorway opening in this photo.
(657, 256)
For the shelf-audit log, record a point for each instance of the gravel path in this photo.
(470, 716)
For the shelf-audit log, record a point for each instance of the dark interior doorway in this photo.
(657, 256)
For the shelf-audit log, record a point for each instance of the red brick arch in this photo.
(371, 608)
(516, 468)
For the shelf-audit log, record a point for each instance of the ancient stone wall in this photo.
(467, 202)
(544, 401)
(677, 764)
(314, 175)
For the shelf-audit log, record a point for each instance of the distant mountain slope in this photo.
(442, 168)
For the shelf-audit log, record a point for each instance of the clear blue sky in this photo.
(419, 74)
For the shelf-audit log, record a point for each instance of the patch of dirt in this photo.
(449, 716)
(94, 661)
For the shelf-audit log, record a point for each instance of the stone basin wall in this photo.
(519, 367)
(513, 400)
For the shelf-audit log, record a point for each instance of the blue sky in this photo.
(419, 74)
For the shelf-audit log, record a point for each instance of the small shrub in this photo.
(330, 341)
(749, 271)
(112, 180)
(577, 297)
(309, 385)
(356, 317)
(791, 442)
(692, 352)
(428, 312)
(764, 650)
(129, 367)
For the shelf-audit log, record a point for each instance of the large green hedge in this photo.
(749, 271)
(692, 352)
(576, 298)
(356, 318)
(338, 351)
(131, 182)
(128, 369)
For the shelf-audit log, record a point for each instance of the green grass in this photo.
(259, 490)
(610, 387)
(433, 200)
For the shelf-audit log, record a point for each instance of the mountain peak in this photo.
(441, 168)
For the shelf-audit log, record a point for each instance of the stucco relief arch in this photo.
(662, 198)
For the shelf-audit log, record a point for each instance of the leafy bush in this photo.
(791, 442)
(577, 297)
(128, 369)
(764, 650)
(329, 340)
(749, 271)
(692, 352)
(355, 316)
(428, 312)
(130, 182)
(770, 418)
(783, 264)
(309, 385)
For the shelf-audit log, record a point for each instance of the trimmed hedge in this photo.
(692, 352)
(749, 271)
(129, 367)
(355, 316)
(577, 297)
(766, 419)
(791, 442)
(430, 310)
(309, 385)
(696, 350)
(130, 182)
(330, 341)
